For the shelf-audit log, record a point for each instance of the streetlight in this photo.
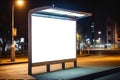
(99, 32)
(78, 41)
(19, 2)
(99, 39)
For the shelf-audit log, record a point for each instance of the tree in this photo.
(5, 24)
(5, 36)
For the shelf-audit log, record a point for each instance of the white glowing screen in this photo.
(53, 39)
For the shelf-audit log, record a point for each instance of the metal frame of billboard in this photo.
(39, 12)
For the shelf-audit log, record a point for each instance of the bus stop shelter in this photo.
(52, 36)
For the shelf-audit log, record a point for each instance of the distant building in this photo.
(112, 31)
(103, 31)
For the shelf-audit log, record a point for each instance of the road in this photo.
(20, 71)
(99, 60)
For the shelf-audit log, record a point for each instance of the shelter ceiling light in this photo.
(76, 14)
(63, 12)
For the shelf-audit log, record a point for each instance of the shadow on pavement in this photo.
(94, 76)
(77, 74)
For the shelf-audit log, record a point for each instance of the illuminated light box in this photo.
(53, 39)
(52, 34)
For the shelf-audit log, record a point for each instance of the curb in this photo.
(10, 63)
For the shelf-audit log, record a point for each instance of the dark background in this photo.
(99, 8)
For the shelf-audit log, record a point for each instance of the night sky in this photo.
(98, 8)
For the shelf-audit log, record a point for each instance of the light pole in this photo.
(19, 2)
(100, 38)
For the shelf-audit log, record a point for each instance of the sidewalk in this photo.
(79, 73)
(82, 72)
(18, 59)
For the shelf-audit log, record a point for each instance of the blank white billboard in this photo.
(52, 39)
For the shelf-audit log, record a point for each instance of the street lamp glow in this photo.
(99, 32)
(20, 2)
